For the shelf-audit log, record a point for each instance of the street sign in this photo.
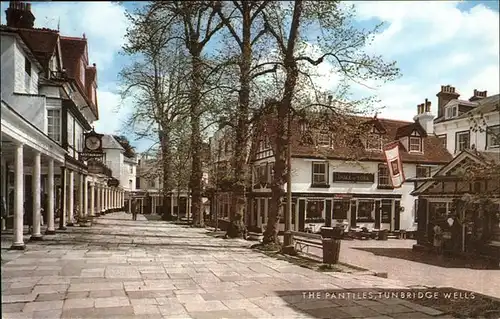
(85, 156)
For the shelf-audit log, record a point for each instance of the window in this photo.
(270, 172)
(340, 209)
(263, 173)
(130, 183)
(415, 144)
(54, 125)
(442, 138)
(462, 141)
(423, 171)
(365, 210)
(493, 136)
(71, 123)
(315, 210)
(324, 139)
(152, 183)
(451, 112)
(320, 175)
(383, 177)
(386, 210)
(131, 169)
(27, 66)
(415, 211)
(374, 142)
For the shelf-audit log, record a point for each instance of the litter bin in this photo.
(383, 235)
(331, 250)
(331, 244)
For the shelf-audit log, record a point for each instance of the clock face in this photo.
(92, 143)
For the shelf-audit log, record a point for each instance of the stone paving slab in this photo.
(121, 268)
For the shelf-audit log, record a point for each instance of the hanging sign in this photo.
(394, 164)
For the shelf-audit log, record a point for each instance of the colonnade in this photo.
(94, 196)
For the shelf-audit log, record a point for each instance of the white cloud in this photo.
(436, 44)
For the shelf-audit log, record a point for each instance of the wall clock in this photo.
(93, 142)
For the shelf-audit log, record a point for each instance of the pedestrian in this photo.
(135, 209)
(438, 239)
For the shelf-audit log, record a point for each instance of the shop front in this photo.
(313, 211)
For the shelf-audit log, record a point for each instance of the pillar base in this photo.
(36, 237)
(18, 247)
(62, 228)
(70, 224)
(287, 239)
(50, 232)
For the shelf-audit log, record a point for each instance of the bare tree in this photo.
(156, 82)
(340, 43)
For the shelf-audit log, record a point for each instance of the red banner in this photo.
(394, 164)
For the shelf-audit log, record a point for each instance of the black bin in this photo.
(331, 244)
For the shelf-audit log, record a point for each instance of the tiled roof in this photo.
(109, 142)
(486, 105)
(41, 41)
(350, 147)
(72, 51)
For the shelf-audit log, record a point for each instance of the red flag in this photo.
(394, 164)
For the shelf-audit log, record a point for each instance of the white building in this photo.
(48, 93)
(454, 121)
(122, 164)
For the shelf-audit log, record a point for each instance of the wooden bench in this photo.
(302, 241)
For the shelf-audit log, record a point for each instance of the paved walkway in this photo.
(119, 268)
(413, 268)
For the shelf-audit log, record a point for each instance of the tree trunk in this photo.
(278, 182)
(167, 171)
(196, 143)
(240, 146)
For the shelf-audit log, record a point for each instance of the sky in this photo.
(434, 43)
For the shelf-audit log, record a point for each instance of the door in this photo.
(353, 214)
(302, 214)
(377, 214)
(397, 213)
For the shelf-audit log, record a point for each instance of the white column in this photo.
(71, 198)
(85, 203)
(92, 199)
(114, 198)
(98, 197)
(107, 197)
(104, 200)
(18, 198)
(81, 181)
(64, 206)
(297, 216)
(36, 189)
(50, 199)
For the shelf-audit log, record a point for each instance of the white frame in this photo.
(419, 144)
(451, 112)
(387, 176)
(457, 142)
(325, 174)
(324, 139)
(490, 136)
(59, 118)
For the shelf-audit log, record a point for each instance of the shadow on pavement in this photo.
(429, 258)
(405, 303)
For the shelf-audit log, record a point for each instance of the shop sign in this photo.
(353, 177)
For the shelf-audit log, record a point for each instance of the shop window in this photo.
(340, 209)
(365, 210)
(384, 181)
(315, 211)
(319, 173)
(423, 171)
(386, 210)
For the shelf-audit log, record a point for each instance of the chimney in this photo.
(425, 117)
(478, 95)
(446, 94)
(19, 15)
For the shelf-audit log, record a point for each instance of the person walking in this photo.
(135, 209)
(438, 239)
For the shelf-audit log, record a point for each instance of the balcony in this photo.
(31, 107)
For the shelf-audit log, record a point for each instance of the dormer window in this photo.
(415, 144)
(324, 139)
(451, 112)
(374, 142)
